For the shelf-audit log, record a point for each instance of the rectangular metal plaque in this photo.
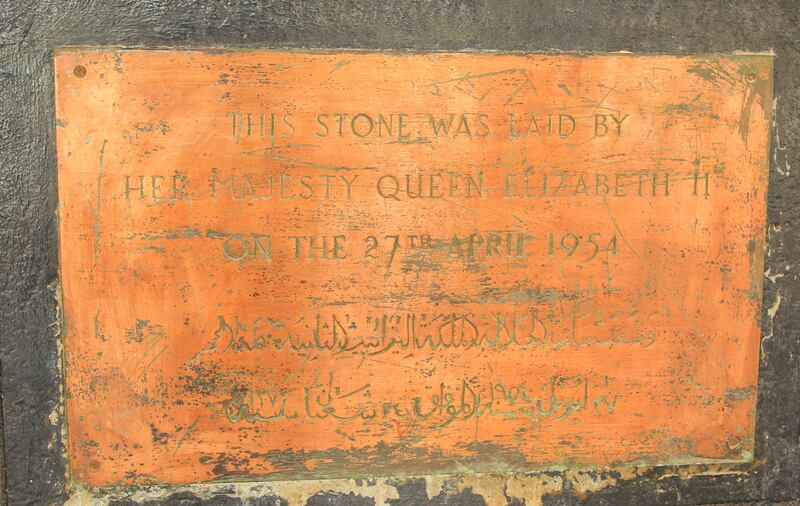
(287, 265)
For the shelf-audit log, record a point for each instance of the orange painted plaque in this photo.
(288, 265)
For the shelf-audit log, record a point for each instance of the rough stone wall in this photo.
(29, 350)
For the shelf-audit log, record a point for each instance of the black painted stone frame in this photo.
(35, 466)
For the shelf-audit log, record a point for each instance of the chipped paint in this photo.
(497, 489)
(494, 489)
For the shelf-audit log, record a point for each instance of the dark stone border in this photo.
(29, 314)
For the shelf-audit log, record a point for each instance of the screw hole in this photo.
(79, 71)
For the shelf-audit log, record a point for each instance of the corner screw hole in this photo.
(79, 71)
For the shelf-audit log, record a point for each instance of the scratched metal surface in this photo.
(299, 265)
(32, 401)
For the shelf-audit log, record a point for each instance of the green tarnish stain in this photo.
(758, 86)
(748, 74)
(713, 72)
(687, 108)
(740, 394)
(179, 233)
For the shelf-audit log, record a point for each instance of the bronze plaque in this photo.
(289, 264)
